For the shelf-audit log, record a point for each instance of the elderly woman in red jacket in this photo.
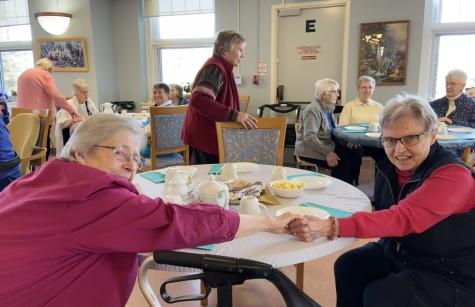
(71, 231)
(425, 215)
(215, 98)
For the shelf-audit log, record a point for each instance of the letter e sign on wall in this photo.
(310, 25)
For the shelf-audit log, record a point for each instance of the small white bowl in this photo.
(287, 193)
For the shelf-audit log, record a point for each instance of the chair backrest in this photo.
(281, 109)
(24, 129)
(46, 119)
(264, 145)
(244, 103)
(166, 126)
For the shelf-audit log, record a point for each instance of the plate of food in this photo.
(374, 135)
(355, 128)
(446, 137)
(314, 182)
(239, 188)
(300, 210)
(459, 129)
(245, 167)
(287, 188)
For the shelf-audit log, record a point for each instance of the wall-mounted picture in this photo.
(68, 54)
(383, 51)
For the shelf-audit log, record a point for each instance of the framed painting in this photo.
(68, 54)
(383, 51)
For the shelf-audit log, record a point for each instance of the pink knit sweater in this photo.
(37, 90)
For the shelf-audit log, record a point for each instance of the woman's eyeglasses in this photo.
(408, 140)
(123, 155)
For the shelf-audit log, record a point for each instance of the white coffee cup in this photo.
(250, 205)
(279, 173)
(228, 172)
(374, 127)
(177, 186)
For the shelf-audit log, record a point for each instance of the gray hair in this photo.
(322, 86)
(225, 40)
(409, 105)
(79, 84)
(178, 89)
(45, 64)
(457, 73)
(365, 78)
(97, 129)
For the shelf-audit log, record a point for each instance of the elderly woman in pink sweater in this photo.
(71, 231)
(37, 89)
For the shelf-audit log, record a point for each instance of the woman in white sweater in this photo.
(81, 102)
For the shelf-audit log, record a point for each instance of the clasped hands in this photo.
(305, 228)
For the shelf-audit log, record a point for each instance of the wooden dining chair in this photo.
(38, 155)
(263, 145)
(166, 125)
(244, 103)
(24, 129)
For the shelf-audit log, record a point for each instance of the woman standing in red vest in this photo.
(215, 98)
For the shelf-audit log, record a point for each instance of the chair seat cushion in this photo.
(171, 159)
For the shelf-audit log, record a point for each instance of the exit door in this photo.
(309, 47)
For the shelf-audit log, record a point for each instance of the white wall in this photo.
(80, 26)
(361, 11)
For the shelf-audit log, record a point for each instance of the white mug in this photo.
(171, 172)
(374, 127)
(279, 173)
(250, 205)
(177, 186)
(228, 172)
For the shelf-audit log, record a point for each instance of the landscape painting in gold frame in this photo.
(68, 54)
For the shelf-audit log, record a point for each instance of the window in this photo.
(453, 42)
(181, 36)
(16, 53)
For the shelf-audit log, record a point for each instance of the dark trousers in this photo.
(361, 151)
(345, 168)
(202, 157)
(365, 276)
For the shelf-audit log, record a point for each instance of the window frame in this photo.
(12, 46)
(154, 70)
(438, 29)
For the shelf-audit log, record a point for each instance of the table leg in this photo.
(204, 302)
(225, 296)
(300, 269)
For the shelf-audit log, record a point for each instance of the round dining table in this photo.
(454, 141)
(277, 250)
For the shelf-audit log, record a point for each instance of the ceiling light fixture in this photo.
(54, 23)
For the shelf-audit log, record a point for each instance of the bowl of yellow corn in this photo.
(287, 188)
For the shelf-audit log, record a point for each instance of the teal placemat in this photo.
(305, 175)
(208, 247)
(332, 211)
(215, 169)
(155, 177)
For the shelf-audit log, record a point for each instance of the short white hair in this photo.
(45, 64)
(79, 85)
(95, 130)
(458, 73)
(365, 78)
(323, 86)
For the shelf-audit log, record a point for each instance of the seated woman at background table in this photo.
(82, 104)
(456, 108)
(362, 110)
(161, 95)
(176, 95)
(425, 202)
(314, 141)
(71, 230)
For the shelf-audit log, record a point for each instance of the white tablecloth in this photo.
(279, 250)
